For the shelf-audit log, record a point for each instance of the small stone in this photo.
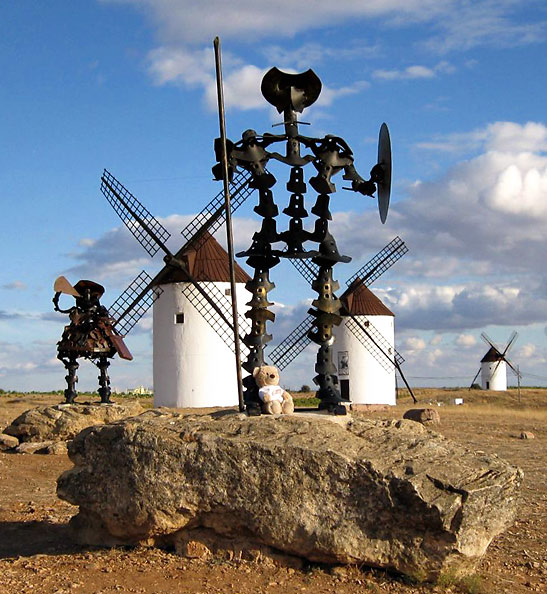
(56, 449)
(8, 442)
(527, 435)
(32, 447)
(425, 416)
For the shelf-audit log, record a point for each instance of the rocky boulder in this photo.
(389, 494)
(425, 416)
(63, 421)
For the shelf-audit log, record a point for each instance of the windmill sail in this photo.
(373, 340)
(381, 262)
(139, 296)
(148, 231)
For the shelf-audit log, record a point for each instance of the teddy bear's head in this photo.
(267, 375)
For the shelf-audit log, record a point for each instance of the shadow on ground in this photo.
(24, 539)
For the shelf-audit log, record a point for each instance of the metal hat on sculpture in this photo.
(290, 91)
(62, 285)
(494, 364)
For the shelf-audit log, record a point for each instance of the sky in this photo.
(129, 85)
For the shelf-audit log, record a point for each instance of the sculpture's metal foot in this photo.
(71, 379)
(334, 408)
(253, 409)
(104, 381)
(70, 395)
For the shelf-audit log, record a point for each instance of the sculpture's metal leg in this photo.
(326, 310)
(326, 316)
(104, 381)
(259, 257)
(71, 366)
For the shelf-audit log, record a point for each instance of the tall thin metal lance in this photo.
(229, 237)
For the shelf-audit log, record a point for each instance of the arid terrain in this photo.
(37, 553)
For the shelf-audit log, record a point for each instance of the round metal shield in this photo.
(384, 160)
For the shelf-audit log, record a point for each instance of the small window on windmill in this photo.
(228, 292)
(179, 318)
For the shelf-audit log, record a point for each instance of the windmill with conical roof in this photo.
(493, 368)
(365, 378)
(193, 360)
(364, 335)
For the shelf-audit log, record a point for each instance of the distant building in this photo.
(493, 371)
(140, 391)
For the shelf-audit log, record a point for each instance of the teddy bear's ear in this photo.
(256, 371)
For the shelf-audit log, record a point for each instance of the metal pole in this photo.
(229, 237)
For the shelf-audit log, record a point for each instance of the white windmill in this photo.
(193, 332)
(494, 365)
(193, 364)
(364, 377)
(364, 339)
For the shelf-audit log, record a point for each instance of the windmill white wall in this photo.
(494, 375)
(369, 381)
(193, 367)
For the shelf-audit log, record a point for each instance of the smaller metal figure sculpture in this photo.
(90, 334)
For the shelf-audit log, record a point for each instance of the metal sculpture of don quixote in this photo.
(291, 94)
(90, 335)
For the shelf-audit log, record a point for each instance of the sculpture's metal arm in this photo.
(56, 304)
(358, 184)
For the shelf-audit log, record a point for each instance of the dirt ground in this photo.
(37, 553)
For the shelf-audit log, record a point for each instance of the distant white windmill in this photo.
(494, 365)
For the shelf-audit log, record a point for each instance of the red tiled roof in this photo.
(208, 263)
(361, 301)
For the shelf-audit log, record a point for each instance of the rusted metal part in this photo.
(90, 334)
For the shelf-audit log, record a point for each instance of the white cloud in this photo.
(459, 307)
(311, 54)
(454, 25)
(15, 285)
(414, 72)
(195, 69)
(465, 340)
(413, 344)
(504, 137)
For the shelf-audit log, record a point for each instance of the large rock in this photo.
(63, 421)
(389, 494)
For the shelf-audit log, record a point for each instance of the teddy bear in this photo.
(275, 400)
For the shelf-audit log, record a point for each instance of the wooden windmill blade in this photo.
(139, 296)
(287, 350)
(148, 231)
(380, 263)
(210, 315)
(473, 380)
(490, 342)
(368, 273)
(307, 268)
(375, 343)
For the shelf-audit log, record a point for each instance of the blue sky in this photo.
(129, 85)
